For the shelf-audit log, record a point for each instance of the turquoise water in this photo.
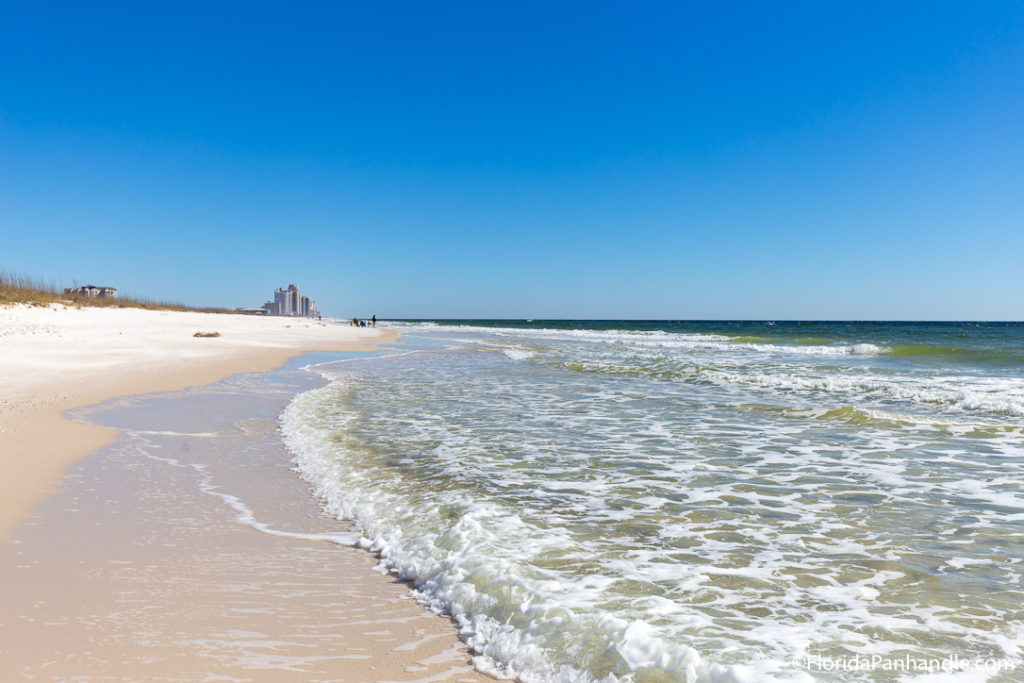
(651, 501)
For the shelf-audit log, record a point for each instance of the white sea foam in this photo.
(996, 395)
(653, 339)
(516, 353)
(632, 511)
(450, 579)
(1000, 396)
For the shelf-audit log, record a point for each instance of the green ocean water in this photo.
(650, 501)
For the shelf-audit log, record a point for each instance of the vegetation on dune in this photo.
(19, 289)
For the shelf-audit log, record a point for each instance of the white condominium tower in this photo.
(291, 302)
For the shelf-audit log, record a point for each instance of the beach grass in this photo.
(21, 289)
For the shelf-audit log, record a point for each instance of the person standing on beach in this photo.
(375, 320)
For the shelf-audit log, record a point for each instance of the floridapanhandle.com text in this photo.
(908, 664)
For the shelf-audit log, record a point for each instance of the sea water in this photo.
(624, 501)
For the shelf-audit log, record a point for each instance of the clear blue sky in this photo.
(522, 159)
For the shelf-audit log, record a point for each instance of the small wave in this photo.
(864, 417)
(657, 371)
(561, 334)
(849, 414)
(517, 353)
(1001, 356)
(999, 399)
(1004, 399)
(862, 349)
(668, 340)
(919, 350)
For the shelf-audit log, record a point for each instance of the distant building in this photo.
(92, 292)
(290, 302)
(281, 303)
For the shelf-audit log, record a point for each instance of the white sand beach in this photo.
(55, 358)
(81, 541)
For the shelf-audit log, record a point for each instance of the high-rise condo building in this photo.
(291, 302)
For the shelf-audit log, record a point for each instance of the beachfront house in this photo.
(92, 292)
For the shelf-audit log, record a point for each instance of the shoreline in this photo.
(209, 558)
(55, 359)
(188, 549)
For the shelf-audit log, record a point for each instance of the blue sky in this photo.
(544, 160)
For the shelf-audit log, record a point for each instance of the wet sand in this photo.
(189, 550)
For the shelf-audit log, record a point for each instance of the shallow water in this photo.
(692, 501)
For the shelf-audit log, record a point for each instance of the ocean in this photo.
(691, 501)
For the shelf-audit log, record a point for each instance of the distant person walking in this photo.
(375, 321)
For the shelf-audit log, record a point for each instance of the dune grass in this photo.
(20, 289)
